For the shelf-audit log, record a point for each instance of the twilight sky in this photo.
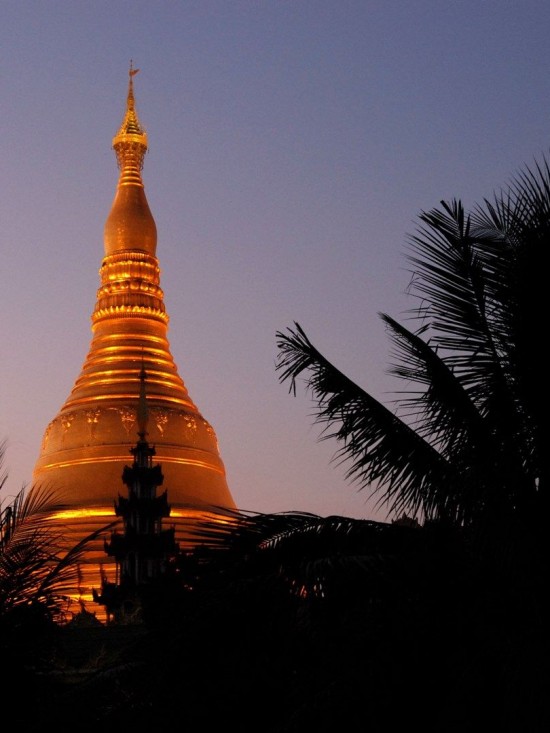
(292, 145)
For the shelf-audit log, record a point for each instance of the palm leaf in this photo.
(450, 280)
(383, 451)
(306, 556)
(33, 568)
(486, 468)
(522, 217)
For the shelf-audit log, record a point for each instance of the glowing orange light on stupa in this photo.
(86, 446)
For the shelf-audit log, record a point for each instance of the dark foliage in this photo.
(465, 443)
(302, 622)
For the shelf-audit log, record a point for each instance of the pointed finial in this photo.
(131, 139)
(131, 73)
(142, 415)
(130, 224)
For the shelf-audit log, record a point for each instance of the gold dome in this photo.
(86, 446)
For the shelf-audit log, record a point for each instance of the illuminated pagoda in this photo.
(144, 551)
(85, 447)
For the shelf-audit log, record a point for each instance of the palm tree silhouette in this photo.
(463, 453)
(464, 445)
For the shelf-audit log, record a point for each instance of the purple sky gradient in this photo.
(292, 146)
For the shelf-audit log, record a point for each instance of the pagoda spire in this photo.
(130, 225)
(85, 446)
(130, 133)
(142, 414)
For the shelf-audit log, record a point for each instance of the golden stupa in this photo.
(86, 446)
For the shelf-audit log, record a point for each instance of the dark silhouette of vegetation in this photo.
(33, 574)
(463, 451)
(438, 619)
(35, 579)
(467, 447)
(294, 621)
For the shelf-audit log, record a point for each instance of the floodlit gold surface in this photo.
(86, 446)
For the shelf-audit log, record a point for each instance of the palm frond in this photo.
(486, 467)
(307, 556)
(466, 270)
(440, 406)
(441, 410)
(34, 569)
(385, 453)
(450, 280)
(474, 368)
(521, 216)
(3, 472)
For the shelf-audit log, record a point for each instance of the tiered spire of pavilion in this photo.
(143, 552)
